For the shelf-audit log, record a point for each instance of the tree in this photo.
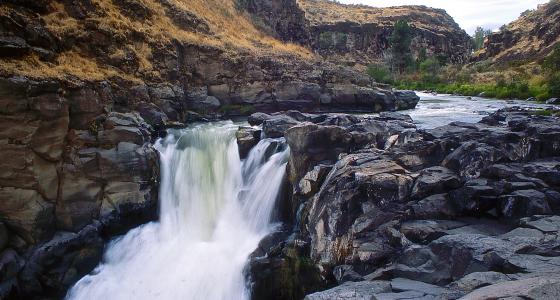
(552, 62)
(527, 12)
(478, 38)
(551, 65)
(400, 42)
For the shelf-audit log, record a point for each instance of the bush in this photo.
(380, 73)
(325, 40)
(554, 85)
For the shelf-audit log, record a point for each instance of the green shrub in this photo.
(380, 73)
(325, 40)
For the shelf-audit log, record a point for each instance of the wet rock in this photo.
(276, 126)
(312, 181)
(247, 138)
(524, 203)
(453, 256)
(545, 288)
(10, 265)
(433, 181)
(478, 280)
(435, 206)
(406, 100)
(553, 101)
(152, 114)
(257, 118)
(284, 272)
(470, 158)
(425, 231)
(353, 290)
(404, 285)
(346, 273)
(4, 238)
(61, 262)
(476, 196)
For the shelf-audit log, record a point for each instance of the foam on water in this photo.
(214, 210)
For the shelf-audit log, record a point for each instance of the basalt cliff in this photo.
(531, 37)
(87, 86)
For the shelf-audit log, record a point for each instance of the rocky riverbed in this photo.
(380, 209)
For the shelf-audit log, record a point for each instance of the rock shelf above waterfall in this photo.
(388, 211)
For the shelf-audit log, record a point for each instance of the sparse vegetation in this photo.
(478, 38)
(230, 30)
(516, 79)
(400, 41)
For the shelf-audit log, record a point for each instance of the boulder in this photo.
(524, 203)
(432, 207)
(553, 101)
(13, 46)
(353, 291)
(247, 138)
(434, 180)
(152, 114)
(539, 288)
(56, 265)
(478, 280)
(10, 266)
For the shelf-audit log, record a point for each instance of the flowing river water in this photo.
(215, 208)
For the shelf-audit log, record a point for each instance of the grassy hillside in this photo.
(138, 28)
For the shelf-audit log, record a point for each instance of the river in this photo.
(215, 208)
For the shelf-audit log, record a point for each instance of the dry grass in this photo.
(328, 12)
(230, 30)
(67, 64)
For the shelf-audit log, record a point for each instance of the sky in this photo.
(490, 14)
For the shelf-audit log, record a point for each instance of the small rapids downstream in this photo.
(214, 210)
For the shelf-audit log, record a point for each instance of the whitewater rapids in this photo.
(214, 210)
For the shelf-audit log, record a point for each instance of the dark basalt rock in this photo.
(378, 199)
(13, 46)
(79, 175)
(247, 138)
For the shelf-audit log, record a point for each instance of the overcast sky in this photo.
(490, 14)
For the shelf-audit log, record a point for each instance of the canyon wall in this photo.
(87, 86)
(529, 38)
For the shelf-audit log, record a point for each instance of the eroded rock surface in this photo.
(461, 210)
(72, 174)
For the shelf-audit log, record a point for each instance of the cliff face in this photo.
(87, 86)
(360, 34)
(529, 38)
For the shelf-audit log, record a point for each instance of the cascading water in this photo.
(214, 211)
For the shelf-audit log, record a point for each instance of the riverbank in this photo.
(537, 93)
(385, 209)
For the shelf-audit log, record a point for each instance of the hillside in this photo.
(361, 33)
(96, 39)
(529, 38)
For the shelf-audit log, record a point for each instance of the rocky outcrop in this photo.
(529, 38)
(387, 211)
(283, 18)
(74, 174)
(359, 34)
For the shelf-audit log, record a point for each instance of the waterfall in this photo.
(214, 210)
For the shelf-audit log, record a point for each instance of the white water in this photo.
(214, 211)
